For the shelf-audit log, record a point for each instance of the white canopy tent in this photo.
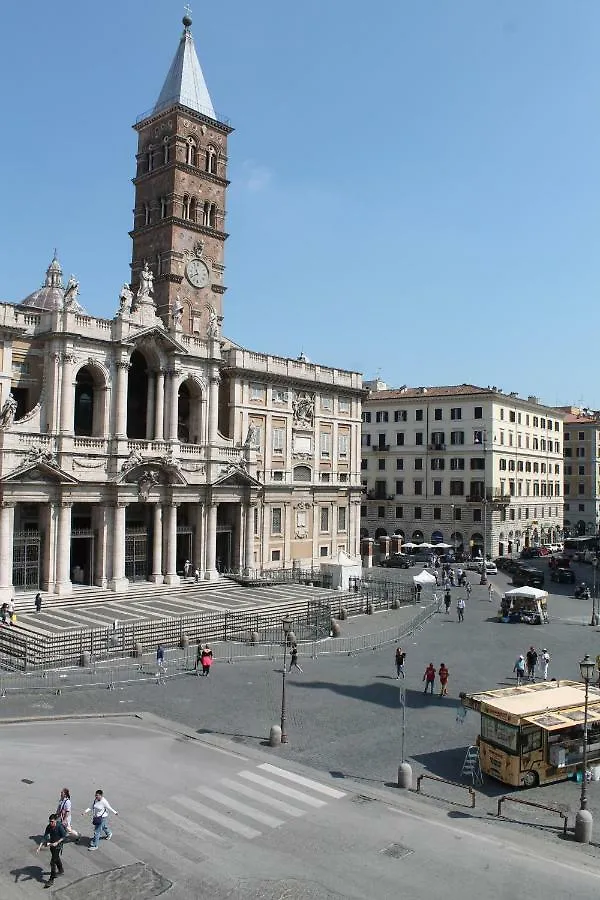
(424, 578)
(530, 592)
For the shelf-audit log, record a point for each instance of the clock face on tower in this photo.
(197, 273)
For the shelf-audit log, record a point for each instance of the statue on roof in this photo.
(212, 329)
(125, 300)
(177, 312)
(71, 292)
(8, 411)
(146, 288)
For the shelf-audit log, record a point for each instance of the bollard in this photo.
(85, 660)
(369, 609)
(405, 776)
(584, 824)
(275, 736)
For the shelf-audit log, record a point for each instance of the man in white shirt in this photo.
(545, 663)
(99, 810)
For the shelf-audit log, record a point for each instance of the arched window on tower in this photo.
(193, 209)
(190, 154)
(186, 207)
(211, 160)
(149, 158)
(163, 207)
(165, 150)
(147, 214)
(209, 214)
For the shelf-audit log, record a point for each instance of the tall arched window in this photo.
(193, 209)
(146, 213)
(163, 207)
(190, 153)
(165, 151)
(149, 158)
(210, 214)
(211, 160)
(186, 207)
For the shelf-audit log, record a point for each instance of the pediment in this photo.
(39, 471)
(236, 476)
(160, 470)
(156, 335)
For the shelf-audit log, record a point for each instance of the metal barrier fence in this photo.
(110, 674)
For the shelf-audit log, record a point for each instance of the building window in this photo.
(275, 555)
(437, 488)
(512, 416)
(438, 463)
(477, 515)
(163, 207)
(363, 511)
(399, 464)
(366, 416)
(437, 414)
(418, 512)
(364, 464)
(209, 214)
(502, 465)
(325, 444)
(400, 415)
(381, 512)
(341, 518)
(457, 515)
(399, 486)
(478, 412)
(323, 551)
(418, 415)
(478, 437)
(280, 396)
(456, 412)
(381, 465)
(438, 439)
(457, 488)
(190, 152)
(418, 487)
(582, 507)
(478, 462)
(324, 518)
(278, 438)
(457, 437)
(344, 407)
(366, 440)
(567, 436)
(147, 217)
(343, 444)
(419, 438)
(211, 160)
(399, 512)
(418, 463)
(437, 513)
(400, 439)
(581, 470)
(381, 416)
(257, 392)
(580, 451)
(276, 515)
(581, 488)
(457, 463)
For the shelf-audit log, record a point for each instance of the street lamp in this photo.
(583, 820)
(287, 627)
(594, 620)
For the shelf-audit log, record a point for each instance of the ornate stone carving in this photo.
(37, 453)
(135, 458)
(177, 312)
(7, 413)
(303, 407)
(71, 293)
(125, 300)
(212, 328)
(146, 482)
(193, 467)
(146, 288)
(89, 464)
(303, 504)
(251, 436)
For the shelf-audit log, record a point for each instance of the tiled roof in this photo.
(571, 419)
(447, 390)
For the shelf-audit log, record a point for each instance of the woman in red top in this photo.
(429, 678)
(443, 675)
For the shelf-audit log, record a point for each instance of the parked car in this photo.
(534, 552)
(511, 565)
(563, 576)
(528, 575)
(490, 567)
(559, 562)
(397, 561)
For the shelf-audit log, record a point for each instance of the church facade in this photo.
(133, 445)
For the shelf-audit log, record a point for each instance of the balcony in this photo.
(380, 448)
(436, 448)
(497, 499)
(474, 498)
(376, 495)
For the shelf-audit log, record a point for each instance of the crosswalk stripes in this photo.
(305, 782)
(181, 822)
(273, 803)
(213, 816)
(282, 789)
(238, 806)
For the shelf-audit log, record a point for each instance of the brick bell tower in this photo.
(180, 190)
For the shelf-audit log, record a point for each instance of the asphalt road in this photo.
(198, 820)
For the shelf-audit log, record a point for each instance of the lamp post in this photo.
(594, 620)
(287, 627)
(454, 528)
(583, 820)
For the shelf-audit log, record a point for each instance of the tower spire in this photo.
(185, 82)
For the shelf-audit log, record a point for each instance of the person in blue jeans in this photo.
(100, 809)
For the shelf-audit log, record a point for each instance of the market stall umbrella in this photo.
(424, 578)
(442, 546)
(409, 545)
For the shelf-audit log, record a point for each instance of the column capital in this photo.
(118, 504)
(69, 358)
(65, 504)
(8, 504)
(122, 364)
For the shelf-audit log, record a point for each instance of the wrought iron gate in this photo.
(136, 554)
(27, 554)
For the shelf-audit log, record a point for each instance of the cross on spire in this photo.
(187, 10)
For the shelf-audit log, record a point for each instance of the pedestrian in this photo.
(447, 601)
(400, 657)
(490, 592)
(99, 809)
(196, 575)
(419, 589)
(545, 663)
(160, 655)
(198, 663)
(38, 602)
(443, 674)
(429, 678)
(460, 608)
(519, 668)
(532, 659)
(468, 588)
(63, 812)
(206, 660)
(54, 837)
(294, 659)
(161, 668)
(187, 566)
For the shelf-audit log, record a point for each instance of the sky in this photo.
(415, 186)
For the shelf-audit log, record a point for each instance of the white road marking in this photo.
(213, 816)
(305, 782)
(181, 822)
(282, 789)
(279, 805)
(245, 810)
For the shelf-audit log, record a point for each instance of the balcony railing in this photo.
(380, 448)
(437, 447)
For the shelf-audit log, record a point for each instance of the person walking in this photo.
(198, 663)
(460, 609)
(196, 575)
(468, 588)
(447, 598)
(294, 659)
(38, 602)
(519, 668)
(532, 658)
(206, 660)
(399, 658)
(99, 809)
(490, 592)
(187, 568)
(545, 663)
(161, 668)
(429, 678)
(54, 837)
(443, 674)
(63, 812)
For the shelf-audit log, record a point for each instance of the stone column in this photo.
(249, 540)
(118, 582)
(198, 548)
(122, 380)
(157, 545)
(211, 573)
(101, 523)
(49, 519)
(63, 550)
(171, 576)
(366, 552)
(52, 392)
(150, 406)
(160, 406)
(67, 396)
(7, 525)
(384, 547)
(213, 406)
(174, 404)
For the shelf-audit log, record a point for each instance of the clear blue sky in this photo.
(415, 185)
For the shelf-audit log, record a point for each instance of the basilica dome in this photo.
(51, 295)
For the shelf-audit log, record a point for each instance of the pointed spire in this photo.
(54, 273)
(185, 82)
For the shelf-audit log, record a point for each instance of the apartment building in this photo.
(461, 464)
(582, 470)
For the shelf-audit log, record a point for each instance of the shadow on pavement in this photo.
(28, 873)
(381, 694)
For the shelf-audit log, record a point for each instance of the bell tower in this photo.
(180, 195)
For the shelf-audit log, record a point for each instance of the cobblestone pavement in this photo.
(343, 712)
